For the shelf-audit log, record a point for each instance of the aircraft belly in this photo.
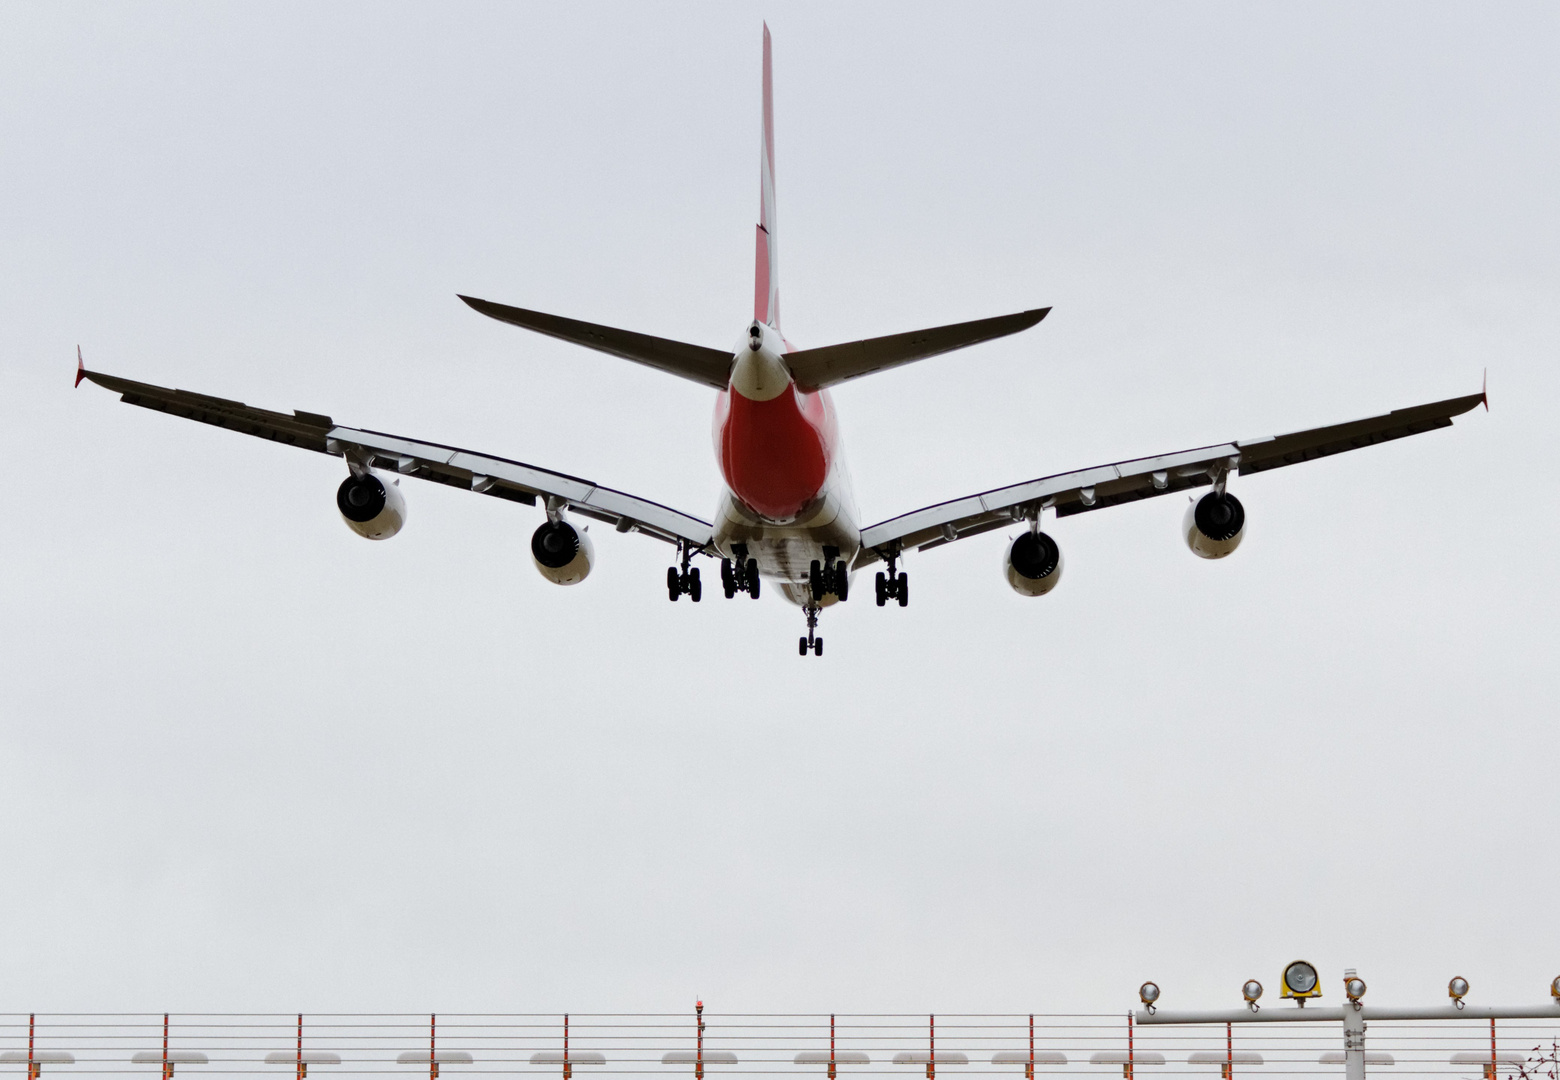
(785, 553)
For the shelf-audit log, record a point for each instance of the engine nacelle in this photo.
(371, 507)
(562, 553)
(1214, 525)
(1033, 564)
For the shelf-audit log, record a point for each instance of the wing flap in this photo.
(487, 475)
(834, 364)
(1259, 455)
(1143, 478)
(712, 367)
(308, 430)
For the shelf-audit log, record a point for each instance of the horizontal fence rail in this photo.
(709, 1045)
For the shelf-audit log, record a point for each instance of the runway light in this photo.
(1554, 989)
(1300, 982)
(1252, 990)
(1354, 988)
(1148, 993)
(1457, 989)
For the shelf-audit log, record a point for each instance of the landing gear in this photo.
(829, 576)
(684, 582)
(892, 586)
(811, 643)
(740, 575)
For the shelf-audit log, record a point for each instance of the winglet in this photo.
(1484, 391)
(81, 368)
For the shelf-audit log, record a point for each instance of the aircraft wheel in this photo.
(882, 589)
(841, 582)
(695, 590)
(817, 646)
(752, 578)
(673, 585)
(815, 580)
(801, 646)
(904, 590)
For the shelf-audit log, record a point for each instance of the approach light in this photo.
(1300, 982)
(1354, 987)
(1253, 989)
(1554, 989)
(1148, 993)
(1457, 989)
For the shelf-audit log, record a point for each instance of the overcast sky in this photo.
(253, 761)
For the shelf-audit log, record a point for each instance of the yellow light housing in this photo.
(1148, 993)
(1300, 981)
(1457, 989)
(1253, 989)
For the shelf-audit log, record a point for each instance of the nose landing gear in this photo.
(811, 643)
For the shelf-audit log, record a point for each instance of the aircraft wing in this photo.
(494, 476)
(1143, 478)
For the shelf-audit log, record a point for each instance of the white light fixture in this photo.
(1353, 986)
(1457, 989)
(1251, 991)
(1148, 993)
(1300, 982)
(1554, 989)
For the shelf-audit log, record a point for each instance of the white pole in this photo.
(1353, 1039)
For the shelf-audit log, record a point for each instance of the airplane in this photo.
(787, 513)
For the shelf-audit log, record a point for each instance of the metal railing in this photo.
(708, 1045)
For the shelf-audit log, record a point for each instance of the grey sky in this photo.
(252, 761)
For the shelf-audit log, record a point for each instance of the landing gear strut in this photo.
(829, 576)
(685, 581)
(740, 575)
(810, 643)
(892, 586)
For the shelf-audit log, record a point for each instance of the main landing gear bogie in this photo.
(893, 586)
(830, 575)
(684, 581)
(739, 575)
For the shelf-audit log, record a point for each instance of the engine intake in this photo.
(562, 553)
(370, 507)
(1033, 564)
(1214, 525)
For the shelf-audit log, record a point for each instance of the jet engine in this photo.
(1214, 525)
(562, 553)
(1033, 564)
(370, 507)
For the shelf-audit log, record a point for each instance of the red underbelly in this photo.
(774, 453)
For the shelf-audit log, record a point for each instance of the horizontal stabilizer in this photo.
(709, 366)
(817, 368)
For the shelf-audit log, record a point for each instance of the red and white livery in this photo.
(787, 514)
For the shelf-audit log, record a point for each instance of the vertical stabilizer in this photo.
(766, 274)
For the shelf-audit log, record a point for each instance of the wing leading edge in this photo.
(1144, 478)
(482, 473)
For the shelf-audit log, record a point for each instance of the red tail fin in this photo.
(766, 275)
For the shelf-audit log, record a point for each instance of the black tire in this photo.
(695, 589)
(815, 580)
(903, 592)
(728, 576)
(752, 578)
(801, 646)
(841, 582)
(817, 646)
(882, 589)
(673, 583)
